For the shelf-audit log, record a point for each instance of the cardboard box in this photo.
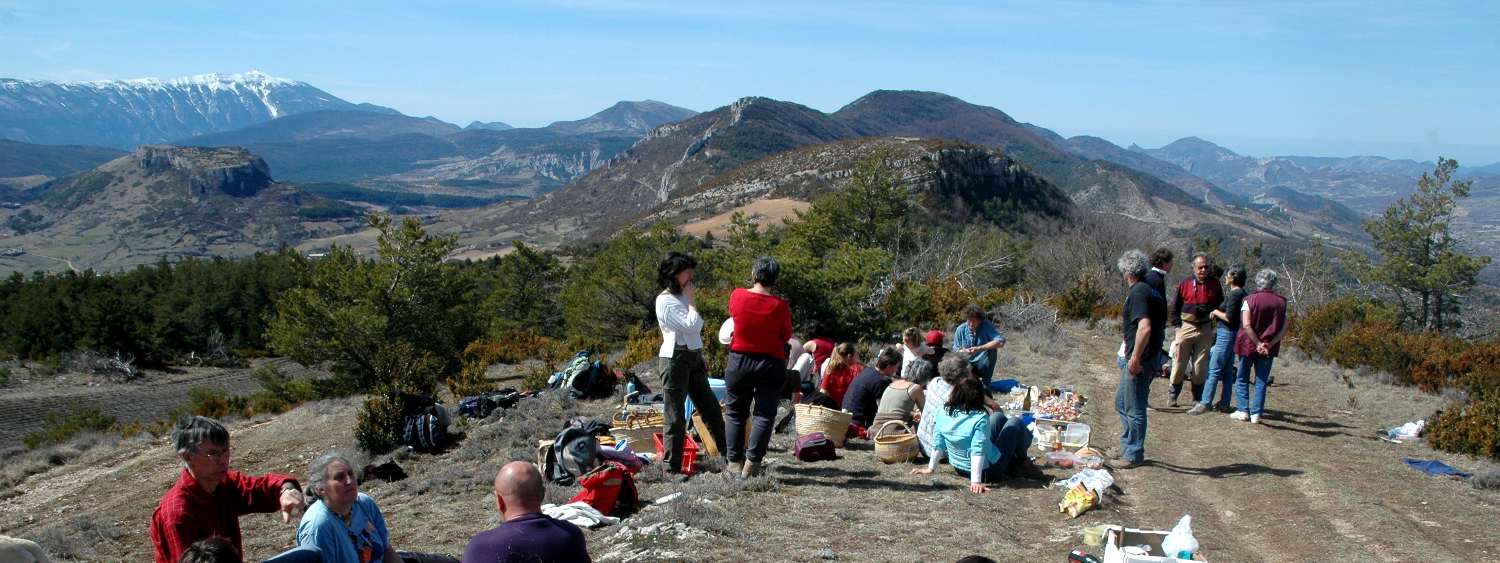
(1118, 538)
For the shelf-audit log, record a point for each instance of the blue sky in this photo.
(1396, 79)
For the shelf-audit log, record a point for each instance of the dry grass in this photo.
(1313, 465)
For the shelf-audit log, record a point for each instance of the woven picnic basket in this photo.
(896, 447)
(638, 426)
(813, 418)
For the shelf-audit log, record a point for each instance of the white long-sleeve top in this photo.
(680, 323)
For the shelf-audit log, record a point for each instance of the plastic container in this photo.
(689, 452)
(1088, 461)
(1063, 459)
(1071, 435)
(720, 389)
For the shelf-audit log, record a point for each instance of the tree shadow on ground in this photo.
(1224, 471)
(1303, 424)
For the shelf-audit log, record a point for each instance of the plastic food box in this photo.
(1071, 435)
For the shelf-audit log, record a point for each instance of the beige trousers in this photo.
(1190, 352)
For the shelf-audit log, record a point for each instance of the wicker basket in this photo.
(813, 418)
(896, 447)
(637, 427)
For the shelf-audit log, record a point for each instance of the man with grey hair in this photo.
(1191, 312)
(208, 498)
(1262, 324)
(1143, 321)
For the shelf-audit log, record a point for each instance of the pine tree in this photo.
(1420, 259)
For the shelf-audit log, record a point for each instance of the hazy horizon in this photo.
(1324, 79)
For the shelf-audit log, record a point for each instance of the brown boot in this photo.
(752, 469)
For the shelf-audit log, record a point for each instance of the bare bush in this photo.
(118, 368)
(1487, 479)
(1087, 246)
(78, 537)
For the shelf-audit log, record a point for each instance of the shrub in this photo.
(1471, 428)
(1486, 479)
(1475, 367)
(1315, 332)
(1080, 300)
(279, 386)
(1384, 347)
(4, 376)
(213, 402)
(60, 428)
(378, 427)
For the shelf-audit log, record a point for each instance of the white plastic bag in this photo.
(1181, 539)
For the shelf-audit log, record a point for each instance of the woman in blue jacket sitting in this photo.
(986, 447)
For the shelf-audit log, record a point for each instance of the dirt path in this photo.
(1310, 484)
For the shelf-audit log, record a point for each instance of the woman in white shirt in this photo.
(680, 359)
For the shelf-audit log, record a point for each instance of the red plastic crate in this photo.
(689, 451)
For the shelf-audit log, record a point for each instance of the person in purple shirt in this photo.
(525, 535)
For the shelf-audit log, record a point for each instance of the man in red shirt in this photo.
(208, 499)
(1196, 298)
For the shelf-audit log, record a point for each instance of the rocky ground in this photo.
(1312, 483)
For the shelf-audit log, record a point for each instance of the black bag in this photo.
(480, 406)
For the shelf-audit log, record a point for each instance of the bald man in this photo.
(525, 534)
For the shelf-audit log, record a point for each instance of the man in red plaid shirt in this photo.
(208, 499)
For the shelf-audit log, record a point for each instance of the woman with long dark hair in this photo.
(757, 365)
(680, 358)
(985, 447)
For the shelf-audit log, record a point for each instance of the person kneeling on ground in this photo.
(208, 499)
(986, 447)
(863, 397)
(525, 534)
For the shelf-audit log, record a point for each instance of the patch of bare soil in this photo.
(1312, 483)
(761, 212)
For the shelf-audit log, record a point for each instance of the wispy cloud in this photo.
(51, 50)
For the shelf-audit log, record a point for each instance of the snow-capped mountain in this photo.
(127, 113)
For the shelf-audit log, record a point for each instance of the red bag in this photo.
(608, 488)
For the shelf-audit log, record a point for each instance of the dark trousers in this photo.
(683, 376)
(757, 379)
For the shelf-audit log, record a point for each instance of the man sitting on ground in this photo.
(208, 499)
(863, 398)
(525, 534)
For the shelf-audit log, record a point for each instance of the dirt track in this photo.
(1310, 484)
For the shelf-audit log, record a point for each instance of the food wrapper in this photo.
(1078, 500)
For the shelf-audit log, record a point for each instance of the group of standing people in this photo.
(1214, 328)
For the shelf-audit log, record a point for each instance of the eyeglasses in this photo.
(216, 455)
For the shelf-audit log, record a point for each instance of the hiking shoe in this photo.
(1199, 408)
(1126, 464)
(752, 469)
(1225, 408)
(1240, 415)
(734, 468)
(1254, 419)
(1172, 402)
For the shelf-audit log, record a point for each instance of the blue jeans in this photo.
(1253, 404)
(1220, 367)
(1130, 402)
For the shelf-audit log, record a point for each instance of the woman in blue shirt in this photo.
(986, 447)
(344, 523)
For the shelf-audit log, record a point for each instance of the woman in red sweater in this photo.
(843, 367)
(757, 366)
